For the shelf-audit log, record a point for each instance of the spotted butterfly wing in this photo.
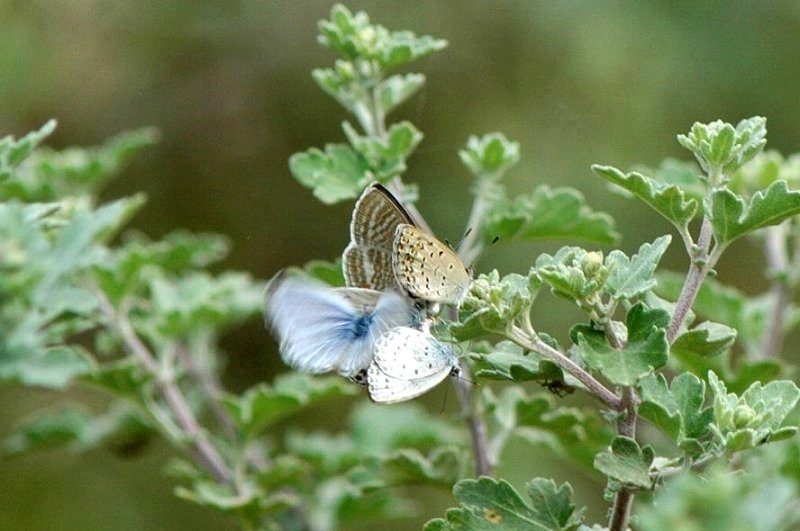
(367, 259)
(407, 363)
(427, 268)
(321, 329)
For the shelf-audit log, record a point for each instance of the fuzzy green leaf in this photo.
(354, 37)
(548, 213)
(731, 217)
(385, 157)
(669, 200)
(645, 351)
(12, 151)
(491, 155)
(678, 409)
(53, 367)
(749, 420)
(334, 175)
(492, 303)
(632, 277)
(264, 405)
(706, 339)
(627, 463)
(47, 431)
(719, 147)
(396, 89)
(508, 361)
(489, 504)
(410, 467)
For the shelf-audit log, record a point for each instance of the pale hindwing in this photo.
(407, 363)
(427, 268)
(322, 329)
(367, 259)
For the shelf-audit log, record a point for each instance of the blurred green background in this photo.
(228, 85)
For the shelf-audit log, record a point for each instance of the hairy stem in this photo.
(530, 341)
(472, 245)
(623, 500)
(700, 265)
(777, 257)
(211, 388)
(204, 451)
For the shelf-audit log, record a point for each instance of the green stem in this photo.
(777, 257)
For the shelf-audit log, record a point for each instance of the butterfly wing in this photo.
(406, 364)
(427, 268)
(321, 329)
(367, 260)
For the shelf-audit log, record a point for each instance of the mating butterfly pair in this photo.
(373, 330)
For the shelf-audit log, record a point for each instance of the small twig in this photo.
(483, 457)
(204, 451)
(623, 500)
(777, 258)
(699, 267)
(472, 245)
(211, 388)
(530, 341)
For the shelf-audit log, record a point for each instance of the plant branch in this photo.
(483, 457)
(530, 341)
(623, 500)
(472, 245)
(204, 451)
(211, 388)
(699, 267)
(777, 258)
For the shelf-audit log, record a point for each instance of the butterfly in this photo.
(427, 268)
(322, 329)
(387, 249)
(367, 259)
(408, 362)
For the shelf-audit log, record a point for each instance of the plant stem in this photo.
(699, 267)
(472, 245)
(777, 258)
(623, 500)
(484, 459)
(211, 388)
(204, 451)
(530, 341)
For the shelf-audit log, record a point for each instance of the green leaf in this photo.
(669, 200)
(197, 300)
(508, 361)
(396, 89)
(334, 175)
(492, 303)
(491, 155)
(632, 277)
(732, 218)
(756, 497)
(48, 431)
(264, 405)
(645, 351)
(408, 426)
(627, 463)
(385, 157)
(706, 339)
(548, 213)
(719, 147)
(677, 410)
(53, 367)
(410, 467)
(489, 504)
(749, 420)
(354, 37)
(244, 499)
(13, 152)
(328, 272)
(573, 273)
